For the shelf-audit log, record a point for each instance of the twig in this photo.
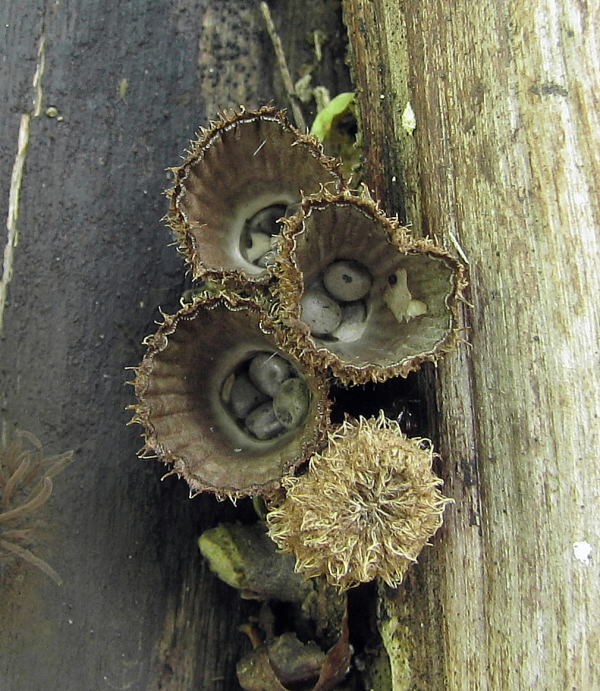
(458, 247)
(283, 68)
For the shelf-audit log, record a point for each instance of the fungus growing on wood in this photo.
(222, 403)
(359, 295)
(365, 508)
(238, 179)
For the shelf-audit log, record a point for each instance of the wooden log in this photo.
(502, 166)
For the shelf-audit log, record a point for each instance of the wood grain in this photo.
(129, 84)
(503, 160)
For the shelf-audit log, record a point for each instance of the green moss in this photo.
(246, 558)
(224, 558)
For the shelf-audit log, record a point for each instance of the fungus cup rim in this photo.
(181, 227)
(155, 448)
(289, 285)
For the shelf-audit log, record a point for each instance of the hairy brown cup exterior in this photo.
(243, 163)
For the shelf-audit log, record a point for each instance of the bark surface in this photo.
(501, 163)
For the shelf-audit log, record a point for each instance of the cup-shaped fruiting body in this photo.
(239, 177)
(220, 401)
(360, 295)
(366, 507)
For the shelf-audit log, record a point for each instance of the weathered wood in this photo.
(503, 160)
(130, 84)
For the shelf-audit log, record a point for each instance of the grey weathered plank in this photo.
(138, 609)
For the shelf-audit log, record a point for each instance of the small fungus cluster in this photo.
(302, 283)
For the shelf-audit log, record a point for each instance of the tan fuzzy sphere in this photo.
(366, 507)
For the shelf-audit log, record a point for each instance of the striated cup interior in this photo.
(250, 162)
(409, 309)
(183, 387)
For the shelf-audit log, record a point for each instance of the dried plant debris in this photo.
(285, 662)
(281, 662)
(366, 507)
(240, 177)
(316, 653)
(25, 485)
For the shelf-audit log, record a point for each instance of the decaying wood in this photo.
(503, 166)
(97, 100)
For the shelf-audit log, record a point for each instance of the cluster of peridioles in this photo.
(305, 279)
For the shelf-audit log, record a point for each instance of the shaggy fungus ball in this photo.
(366, 507)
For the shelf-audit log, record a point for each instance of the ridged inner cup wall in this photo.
(179, 385)
(244, 163)
(349, 227)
